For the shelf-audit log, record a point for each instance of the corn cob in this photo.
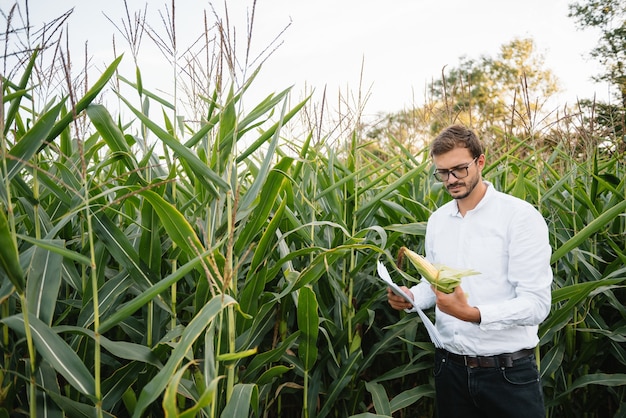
(443, 278)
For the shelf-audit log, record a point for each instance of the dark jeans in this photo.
(488, 392)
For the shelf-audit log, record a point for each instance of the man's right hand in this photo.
(398, 302)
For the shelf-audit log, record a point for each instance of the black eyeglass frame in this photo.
(444, 175)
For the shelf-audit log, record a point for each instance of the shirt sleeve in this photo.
(529, 273)
(423, 296)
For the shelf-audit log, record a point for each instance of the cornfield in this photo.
(157, 266)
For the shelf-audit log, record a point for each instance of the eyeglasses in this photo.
(458, 172)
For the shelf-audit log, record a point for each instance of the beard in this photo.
(460, 189)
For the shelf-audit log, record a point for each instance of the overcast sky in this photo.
(402, 44)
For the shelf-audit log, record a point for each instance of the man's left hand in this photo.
(455, 304)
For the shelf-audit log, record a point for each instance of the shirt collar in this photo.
(453, 208)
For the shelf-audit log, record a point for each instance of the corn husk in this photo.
(443, 278)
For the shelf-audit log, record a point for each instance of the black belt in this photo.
(501, 360)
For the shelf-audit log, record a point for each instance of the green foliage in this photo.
(609, 17)
(505, 93)
(485, 90)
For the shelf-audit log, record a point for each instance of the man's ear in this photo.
(480, 161)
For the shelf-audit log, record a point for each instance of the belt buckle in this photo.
(471, 361)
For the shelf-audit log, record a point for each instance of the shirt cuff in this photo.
(489, 318)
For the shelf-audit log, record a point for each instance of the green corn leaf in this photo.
(303, 152)
(109, 296)
(211, 180)
(122, 250)
(333, 189)
(120, 349)
(16, 94)
(32, 141)
(223, 145)
(56, 352)
(245, 399)
(261, 360)
(264, 107)
(416, 228)
(16, 99)
(126, 310)
(246, 204)
(391, 188)
(308, 324)
(117, 385)
(593, 227)
(263, 138)
(346, 373)
(552, 360)
(150, 242)
(147, 93)
(206, 399)
(316, 268)
(111, 134)
(210, 364)
(272, 373)
(337, 186)
(56, 246)
(236, 356)
(44, 281)
(190, 335)
(85, 101)
(48, 380)
(73, 408)
(387, 340)
(519, 190)
(380, 399)
(263, 247)
(248, 122)
(575, 294)
(9, 257)
(260, 322)
(602, 379)
(410, 396)
(139, 82)
(170, 401)
(176, 225)
(269, 194)
(256, 277)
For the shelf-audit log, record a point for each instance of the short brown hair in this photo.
(456, 136)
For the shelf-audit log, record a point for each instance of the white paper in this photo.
(435, 337)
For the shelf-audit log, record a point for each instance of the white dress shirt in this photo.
(506, 240)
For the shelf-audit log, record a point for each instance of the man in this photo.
(489, 323)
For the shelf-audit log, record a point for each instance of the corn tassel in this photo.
(443, 278)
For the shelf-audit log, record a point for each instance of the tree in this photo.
(609, 17)
(505, 93)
